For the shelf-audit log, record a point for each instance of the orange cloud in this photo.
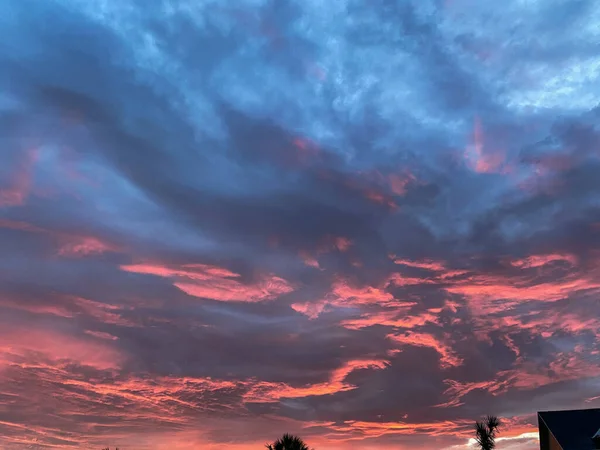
(216, 283)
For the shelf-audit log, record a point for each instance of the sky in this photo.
(367, 222)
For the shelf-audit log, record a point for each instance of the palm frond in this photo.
(486, 432)
(482, 436)
(493, 423)
(288, 442)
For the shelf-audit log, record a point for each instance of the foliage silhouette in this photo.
(288, 442)
(486, 432)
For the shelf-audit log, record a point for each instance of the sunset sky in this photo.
(367, 222)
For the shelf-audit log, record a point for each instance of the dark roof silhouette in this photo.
(573, 429)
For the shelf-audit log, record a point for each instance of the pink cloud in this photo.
(40, 307)
(371, 186)
(309, 260)
(360, 430)
(70, 245)
(526, 375)
(427, 264)
(327, 244)
(21, 226)
(331, 243)
(216, 283)
(342, 243)
(78, 246)
(310, 309)
(457, 390)
(448, 358)
(103, 312)
(27, 348)
(20, 184)
(565, 366)
(101, 335)
(380, 198)
(307, 151)
(399, 318)
(269, 392)
(482, 159)
(69, 307)
(345, 293)
(492, 293)
(541, 260)
(399, 182)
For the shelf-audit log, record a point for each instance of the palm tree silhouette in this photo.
(486, 432)
(288, 442)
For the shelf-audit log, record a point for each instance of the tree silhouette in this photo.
(486, 432)
(288, 442)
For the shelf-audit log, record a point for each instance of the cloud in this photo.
(367, 223)
(215, 283)
(447, 357)
(34, 347)
(20, 181)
